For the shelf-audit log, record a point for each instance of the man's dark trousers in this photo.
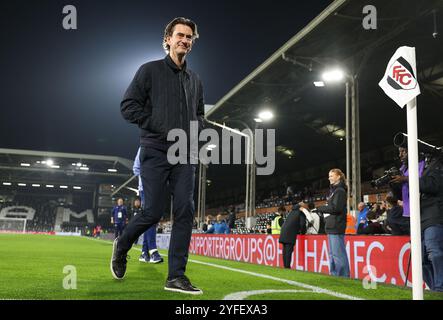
(288, 249)
(155, 173)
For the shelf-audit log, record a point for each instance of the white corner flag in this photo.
(400, 79)
(400, 84)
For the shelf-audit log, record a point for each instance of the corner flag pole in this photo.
(401, 85)
(414, 201)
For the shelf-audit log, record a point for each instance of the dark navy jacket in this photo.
(124, 214)
(336, 207)
(162, 97)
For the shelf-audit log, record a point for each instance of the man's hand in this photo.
(399, 179)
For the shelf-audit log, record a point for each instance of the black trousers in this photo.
(156, 172)
(118, 229)
(288, 248)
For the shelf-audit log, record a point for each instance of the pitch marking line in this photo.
(242, 295)
(265, 276)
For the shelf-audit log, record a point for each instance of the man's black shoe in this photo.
(118, 262)
(183, 285)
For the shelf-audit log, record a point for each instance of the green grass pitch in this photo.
(31, 267)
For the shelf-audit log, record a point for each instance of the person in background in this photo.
(149, 250)
(400, 183)
(362, 222)
(289, 231)
(277, 222)
(208, 223)
(220, 227)
(396, 222)
(231, 218)
(374, 221)
(334, 213)
(119, 217)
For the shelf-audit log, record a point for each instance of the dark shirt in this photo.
(119, 214)
(162, 97)
(431, 194)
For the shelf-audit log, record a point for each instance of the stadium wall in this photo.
(377, 258)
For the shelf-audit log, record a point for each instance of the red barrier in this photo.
(378, 258)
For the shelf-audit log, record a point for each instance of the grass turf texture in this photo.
(31, 267)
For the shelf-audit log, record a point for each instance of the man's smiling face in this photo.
(180, 43)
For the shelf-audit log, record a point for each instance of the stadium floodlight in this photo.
(48, 162)
(333, 75)
(78, 164)
(266, 115)
(49, 186)
(35, 185)
(7, 183)
(319, 83)
(84, 168)
(77, 188)
(25, 164)
(55, 167)
(258, 120)
(112, 170)
(63, 187)
(22, 184)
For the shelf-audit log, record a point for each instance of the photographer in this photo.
(431, 214)
(399, 183)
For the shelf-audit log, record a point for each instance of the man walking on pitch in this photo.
(164, 95)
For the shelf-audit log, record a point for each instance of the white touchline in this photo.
(291, 282)
(242, 295)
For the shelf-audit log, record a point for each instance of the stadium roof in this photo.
(23, 168)
(310, 120)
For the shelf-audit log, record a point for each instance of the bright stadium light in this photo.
(78, 164)
(77, 188)
(265, 115)
(84, 168)
(258, 120)
(22, 184)
(35, 185)
(25, 164)
(63, 187)
(319, 83)
(55, 167)
(112, 170)
(333, 75)
(49, 162)
(49, 186)
(7, 183)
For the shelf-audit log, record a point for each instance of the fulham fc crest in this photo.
(400, 80)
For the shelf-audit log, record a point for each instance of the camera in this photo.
(384, 179)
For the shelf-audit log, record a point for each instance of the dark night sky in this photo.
(61, 90)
